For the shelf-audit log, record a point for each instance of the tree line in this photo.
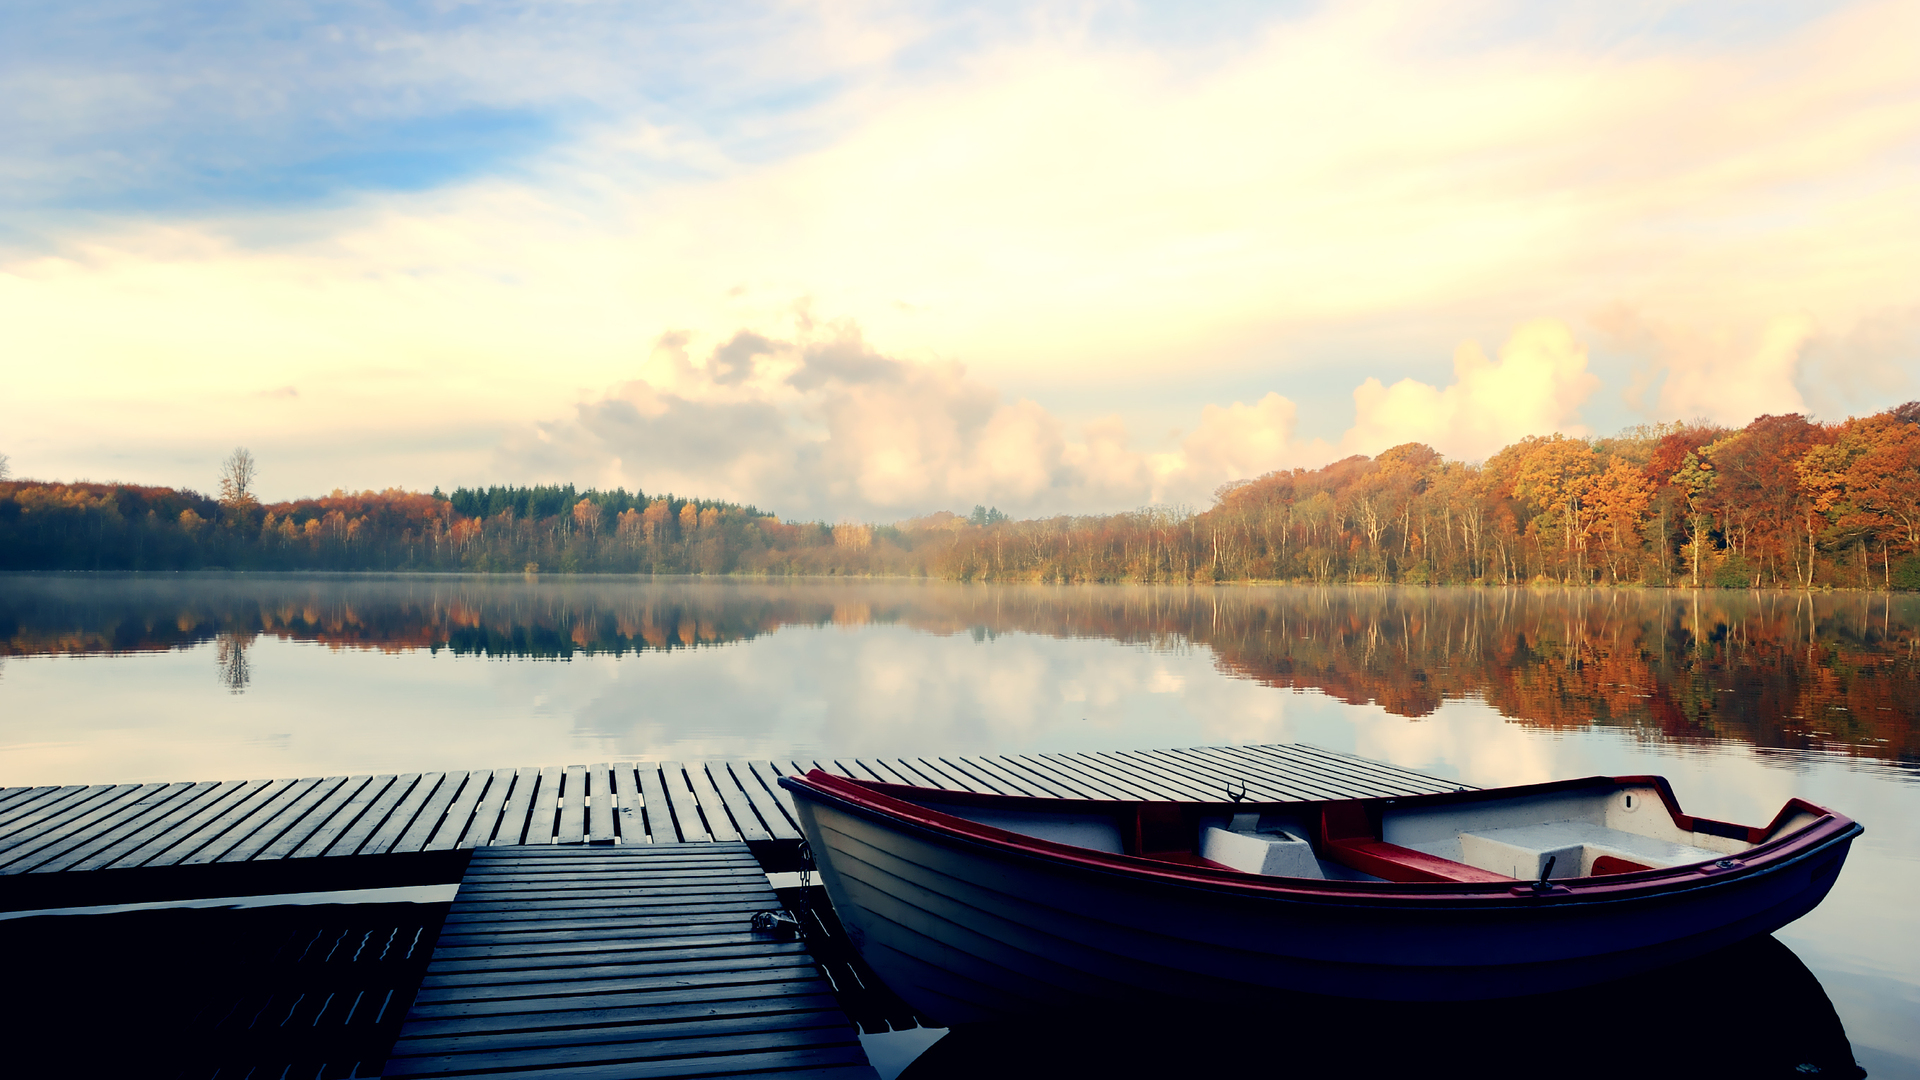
(1784, 502)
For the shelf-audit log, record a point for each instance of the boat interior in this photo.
(1594, 830)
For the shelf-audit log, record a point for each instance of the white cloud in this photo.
(1536, 387)
(1720, 375)
(814, 422)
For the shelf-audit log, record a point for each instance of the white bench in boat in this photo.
(1521, 851)
(1274, 853)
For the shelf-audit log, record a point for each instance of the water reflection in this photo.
(1752, 1010)
(1787, 672)
(230, 656)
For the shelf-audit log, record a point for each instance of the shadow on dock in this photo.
(315, 991)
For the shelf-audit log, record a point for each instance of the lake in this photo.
(1742, 699)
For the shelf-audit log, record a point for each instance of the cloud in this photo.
(1719, 375)
(1536, 387)
(816, 423)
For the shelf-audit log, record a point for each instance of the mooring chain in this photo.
(793, 919)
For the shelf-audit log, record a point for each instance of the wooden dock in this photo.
(627, 961)
(61, 830)
(602, 925)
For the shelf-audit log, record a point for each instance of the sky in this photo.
(851, 261)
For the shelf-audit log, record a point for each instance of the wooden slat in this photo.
(1274, 779)
(769, 778)
(513, 816)
(660, 823)
(432, 812)
(224, 830)
(154, 810)
(541, 816)
(355, 838)
(573, 807)
(1016, 783)
(336, 799)
(630, 817)
(739, 807)
(287, 819)
(1312, 756)
(35, 801)
(877, 769)
(907, 774)
(600, 805)
(53, 813)
(720, 823)
(1080, 782)
(341, 818)
(401, 819)
(686, 812)
(32, 846)
(457, 819)
(1197, 781)
(239, 831)
(153, 837)
(13, 795)
(957, 766)
(487, 813)
(1127, 774)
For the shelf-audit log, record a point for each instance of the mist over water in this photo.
(1742, 699)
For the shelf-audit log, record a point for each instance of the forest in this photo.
(1784, 502)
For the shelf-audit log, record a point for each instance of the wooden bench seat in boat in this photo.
(1578, 848)
(1349, 837)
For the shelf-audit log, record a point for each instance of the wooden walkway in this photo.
(629, 961)
(119, 826)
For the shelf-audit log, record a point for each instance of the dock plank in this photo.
(497, 1001)
(600, 804)
(341, 818)
(154, 810)
(769, 778)
(629, 815)
(404, 812)
(333, 804)
(721, 824)
(427, 823)
(513, 814)
(686, 812)
(377, 813)
(33, 846)
(461, 814)
(660, 823)
(284, 821)
(573, 806)
(543, 816)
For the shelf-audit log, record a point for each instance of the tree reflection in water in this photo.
(230, 655)
(1776, 670)
(1751, 1010)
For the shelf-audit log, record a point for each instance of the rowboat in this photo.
(976, 907)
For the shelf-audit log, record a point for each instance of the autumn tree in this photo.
(236, 484)
(1867, 481)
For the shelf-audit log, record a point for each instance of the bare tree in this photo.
(236, 479)
(6, 472)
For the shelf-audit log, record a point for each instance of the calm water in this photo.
(1742, 699)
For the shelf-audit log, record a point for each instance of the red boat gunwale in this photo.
(897, 804)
